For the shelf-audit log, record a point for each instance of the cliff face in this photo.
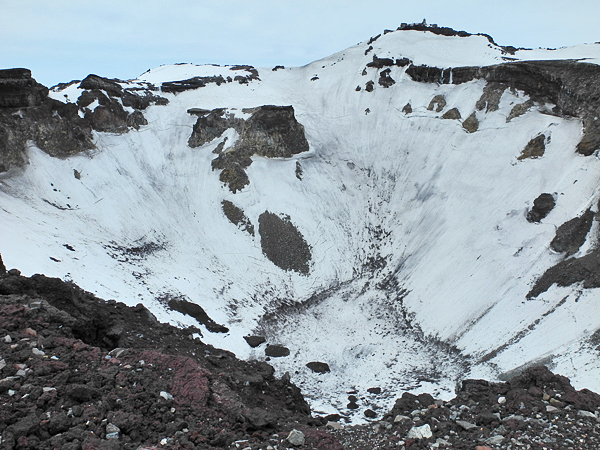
(573, 88)
(406, 212)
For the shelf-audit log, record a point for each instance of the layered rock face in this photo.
(61, 129)
(18, 89)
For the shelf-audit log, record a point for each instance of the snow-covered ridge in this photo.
(412, 198)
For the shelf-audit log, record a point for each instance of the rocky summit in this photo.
(411, 212)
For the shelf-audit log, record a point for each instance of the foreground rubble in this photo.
(77, 372)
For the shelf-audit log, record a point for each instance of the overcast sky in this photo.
(61, 40)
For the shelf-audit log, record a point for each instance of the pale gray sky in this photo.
(68, 39)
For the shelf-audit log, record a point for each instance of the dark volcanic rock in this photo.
(54, 127)
(111, 87)
(271, 131)
(154, 387)
(571, 235)
(585, 269)
(283, 244)
(438, 103)
(380, 63)
(208, 127)
(385, 79)
(471, 124)
(318, 367)
(535, 148)
(255, 341)
(452, 114)
(198, 313)
(18, 89)
(237, 217)
(490, 98)
(277, 351)
(190, 84)
(572, 86)
(541, 207)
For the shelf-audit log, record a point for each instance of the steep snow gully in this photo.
(414, 210)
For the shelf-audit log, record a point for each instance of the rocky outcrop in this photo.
(19, 90)
(471, 124)
(490, 98)
(535, 148)
(28, 114)
(210, 125)
(572, 86)
(283, 244)
(585, 269)
(541, 207)
(271, 131)
(175, 87)
(53, 126)
(78, 372)
(571, 235)
(452, 114)
(385, 79)
(237, 217)
(438, 103)
(197, 312)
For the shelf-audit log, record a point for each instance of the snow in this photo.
(444, 208)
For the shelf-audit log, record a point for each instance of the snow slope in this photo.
(421, 253)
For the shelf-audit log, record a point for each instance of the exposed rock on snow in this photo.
(283, 244)
(571, 235)
(535, 148)
(318, 367)
(18, 89)
(255, 341)
(276, 351)
(471, 124)
(438, 103)
(237, 217)
(541, 207)
(271, 131)
(452, 114)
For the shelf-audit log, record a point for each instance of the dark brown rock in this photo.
(541, 207)
(254, 341)
(452, 114)
(571, 235)
(385, 79)
(111, 87)
(535, 148)
(198, 313)
(283, 244)
(18, 89)
(318, 367)
(276, 351)
(438, 103)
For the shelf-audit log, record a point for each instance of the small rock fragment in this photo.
(7, 339)
(465, 425)
(318, 367)
(370, 414)
(37, 352)
(422, 432)
(334, 425)
(166, 396)
(296, 438)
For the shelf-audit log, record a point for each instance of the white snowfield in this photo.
(445, 210)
